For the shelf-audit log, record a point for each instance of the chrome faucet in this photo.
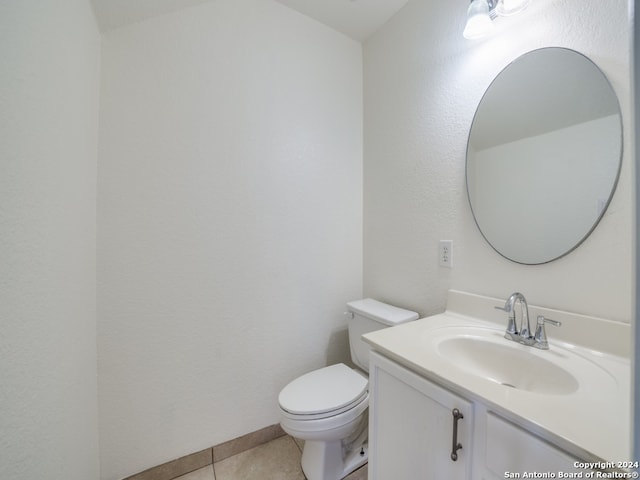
(523, 335)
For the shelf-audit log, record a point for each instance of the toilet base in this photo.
(324, 460)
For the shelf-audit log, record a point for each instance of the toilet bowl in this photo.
(328, 407)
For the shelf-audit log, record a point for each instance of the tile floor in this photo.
(278, 459)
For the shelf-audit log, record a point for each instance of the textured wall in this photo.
(423, 82)
(229, 222)
(49, 76)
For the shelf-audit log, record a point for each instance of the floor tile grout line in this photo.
(297, 445)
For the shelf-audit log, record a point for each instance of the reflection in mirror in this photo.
(544, 155)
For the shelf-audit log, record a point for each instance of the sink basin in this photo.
(513, 366)
(484, 353)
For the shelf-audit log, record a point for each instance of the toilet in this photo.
(328, 408)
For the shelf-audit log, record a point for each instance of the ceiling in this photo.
(357, 19)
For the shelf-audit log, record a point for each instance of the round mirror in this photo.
(543, 155)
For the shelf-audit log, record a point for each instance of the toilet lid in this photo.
(324, 390)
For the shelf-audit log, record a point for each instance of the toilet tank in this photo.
(369, 315)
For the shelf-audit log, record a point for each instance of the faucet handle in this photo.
(540, 337)
(506, 308)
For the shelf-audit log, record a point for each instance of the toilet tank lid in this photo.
(381, 312)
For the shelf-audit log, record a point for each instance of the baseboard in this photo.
(197, 460)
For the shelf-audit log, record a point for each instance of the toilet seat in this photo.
(323, 393)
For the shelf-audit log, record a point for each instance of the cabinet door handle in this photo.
(457, 415)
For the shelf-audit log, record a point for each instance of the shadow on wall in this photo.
(338, 348)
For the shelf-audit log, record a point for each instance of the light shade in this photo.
(510, 7)
(478, 20)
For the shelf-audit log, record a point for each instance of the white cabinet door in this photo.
(411, 427)
(511, 452)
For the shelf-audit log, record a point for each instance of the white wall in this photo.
(49, 80)
(229, 222)
(423, 82)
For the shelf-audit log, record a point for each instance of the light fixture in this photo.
(481, 13)
(478, 19)
(510, 7)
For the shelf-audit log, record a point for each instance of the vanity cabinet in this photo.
(505, 450)
(412, 427)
